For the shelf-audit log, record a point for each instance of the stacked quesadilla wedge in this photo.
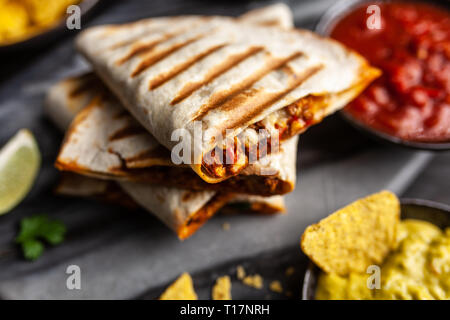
(237, 77)
(225, 79)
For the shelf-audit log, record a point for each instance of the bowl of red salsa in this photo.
(410, 42)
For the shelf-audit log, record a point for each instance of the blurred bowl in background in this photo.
(42, 37)
(325, 26)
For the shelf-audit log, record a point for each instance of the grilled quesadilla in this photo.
(227, 79)
(105, 141)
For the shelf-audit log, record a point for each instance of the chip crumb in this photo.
(240, 272)
(275, 286)
(255, 281)
(181, 289)
(222, 289)
(290, 271)
(226, 226)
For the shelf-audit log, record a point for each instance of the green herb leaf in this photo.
(35, 228)
(53, 232)
(32, 249)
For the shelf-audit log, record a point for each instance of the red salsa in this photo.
(411, 99)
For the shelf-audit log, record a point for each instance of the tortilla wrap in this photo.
(233, 77)
(75, 185)
(275, 15)
(105, 141)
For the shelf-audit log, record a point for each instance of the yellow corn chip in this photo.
(276, 286)
(354, 237)
(222, 289)
(181, 289)
(240, 272)
(255, 281)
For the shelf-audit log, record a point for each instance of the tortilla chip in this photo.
(240, 272)
(222, 289)
(181, 289)
(276, 286)
(255, 281)
(356, 236)
(289, 271)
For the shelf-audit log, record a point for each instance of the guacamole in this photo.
(419, 268)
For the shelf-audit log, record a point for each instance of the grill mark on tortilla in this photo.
(60, 163)
(157, 30)
(141, 48)
(148, 23)
(188, 195)
(128, 131)
(163, 78)
(229, 63)
(69, 165)
(81, 77)
(269, 23)
(223, 97)
(270, 99)
(122, 166)
(123, 43)
(160, 198)
(85, 83)
(197, 219)
(155, 58)
(158, 152)
(119, 27)
(128, 41)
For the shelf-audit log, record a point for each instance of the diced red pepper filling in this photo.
(296, 118)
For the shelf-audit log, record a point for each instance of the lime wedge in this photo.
(19, 164)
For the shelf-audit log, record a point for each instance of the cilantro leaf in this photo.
(36, 228)
(53, 232)
(32, 249)
(28, 228)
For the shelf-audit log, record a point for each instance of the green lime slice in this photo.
(19, 164)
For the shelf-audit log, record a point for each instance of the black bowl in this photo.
(48, 35)
(436, 213)
(324, 26)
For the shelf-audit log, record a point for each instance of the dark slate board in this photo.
(124, 254)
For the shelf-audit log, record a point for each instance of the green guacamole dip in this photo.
(418, 269)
